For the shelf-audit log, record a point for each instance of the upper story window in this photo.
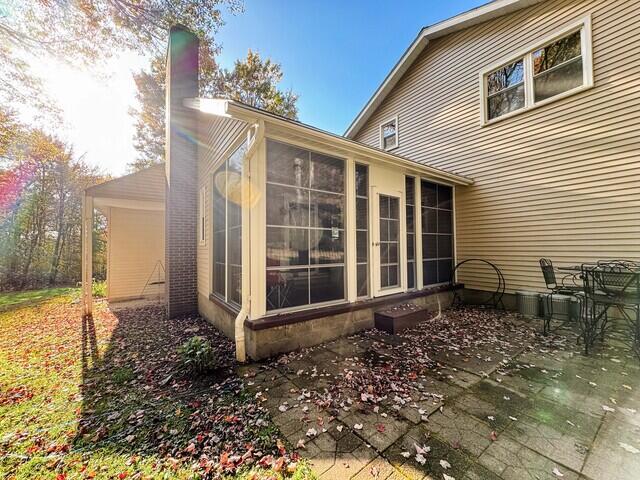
(555, 67)
(389, 134)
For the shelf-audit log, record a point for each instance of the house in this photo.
(508, 133)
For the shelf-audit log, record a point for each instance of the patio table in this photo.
(610, 284)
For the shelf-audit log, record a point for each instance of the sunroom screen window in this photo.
(437, 232)
(305, 227)
(411, 231)
(362, 229)
(227, 228)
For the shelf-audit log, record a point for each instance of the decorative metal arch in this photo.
(494, 300)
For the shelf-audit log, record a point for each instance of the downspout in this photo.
(254, 143)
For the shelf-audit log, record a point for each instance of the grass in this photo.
(107, 399)
(11, 300)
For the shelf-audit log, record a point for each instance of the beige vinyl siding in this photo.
(561, 180)
(146, 185)
(136, 245)
(216, 134)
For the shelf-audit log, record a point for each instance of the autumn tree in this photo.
(41, 184)
(252, 80)
(90, 30)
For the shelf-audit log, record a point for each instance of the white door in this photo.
(387, 241)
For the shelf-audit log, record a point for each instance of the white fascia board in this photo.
(464, 20)
(252, 115)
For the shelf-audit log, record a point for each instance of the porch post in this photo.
(87, 255)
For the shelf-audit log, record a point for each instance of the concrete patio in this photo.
(470, 395)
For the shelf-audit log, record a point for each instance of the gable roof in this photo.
(241, 111)
(489, 11)
(146, 185)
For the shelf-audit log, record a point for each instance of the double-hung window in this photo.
(555, 67)
(305, 198)
(389, 134)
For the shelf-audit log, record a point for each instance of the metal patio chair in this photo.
(611, 284)
(567, 286)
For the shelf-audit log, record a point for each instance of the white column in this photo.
(350, 231)
(87, 255)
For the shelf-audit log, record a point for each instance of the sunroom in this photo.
(303, 234)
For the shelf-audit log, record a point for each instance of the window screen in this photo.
(305, 227)
(437, 232)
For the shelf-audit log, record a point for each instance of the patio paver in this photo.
(500, 403)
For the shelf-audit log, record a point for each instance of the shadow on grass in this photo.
(139, 400)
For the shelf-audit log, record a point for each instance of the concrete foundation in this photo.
(266, 342)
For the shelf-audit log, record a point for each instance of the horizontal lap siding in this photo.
(562, 180)
(216, 135)
(136, 250)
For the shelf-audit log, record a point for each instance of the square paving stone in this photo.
(460, 430)
(379, 431)
(512, 461)
(519, 384)
(350, 464)
(608, 458)
(549, 440)
(376, 469)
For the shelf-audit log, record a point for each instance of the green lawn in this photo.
(109, 399)
(12, 300)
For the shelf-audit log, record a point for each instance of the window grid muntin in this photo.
(388, 221)
(310, 266)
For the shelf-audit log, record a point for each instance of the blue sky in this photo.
(334, 54)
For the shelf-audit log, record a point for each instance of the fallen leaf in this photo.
(629, 448)
(557, 472)
(444, 464)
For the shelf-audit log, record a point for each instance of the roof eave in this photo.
(464, 20)
(239, 111)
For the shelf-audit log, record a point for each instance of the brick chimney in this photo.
(182, 174)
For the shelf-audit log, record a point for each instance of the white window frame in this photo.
(202, 225)
(526, 54)
(386, 122)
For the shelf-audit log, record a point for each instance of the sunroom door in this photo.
(388, 264)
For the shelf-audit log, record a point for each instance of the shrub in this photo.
(99, 289)
(199, 355)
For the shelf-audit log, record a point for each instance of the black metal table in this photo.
(610, 284)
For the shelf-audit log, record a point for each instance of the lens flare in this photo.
(12, 184)
(237, 189)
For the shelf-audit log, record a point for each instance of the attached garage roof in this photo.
(486, 12)
(146, 185)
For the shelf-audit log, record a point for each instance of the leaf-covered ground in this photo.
(108, 398)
